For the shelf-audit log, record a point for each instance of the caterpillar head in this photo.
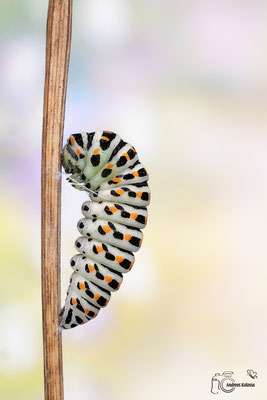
(69, 159)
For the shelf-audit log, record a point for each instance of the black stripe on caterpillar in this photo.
(108, 168)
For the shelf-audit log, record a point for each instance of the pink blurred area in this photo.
(185, 82)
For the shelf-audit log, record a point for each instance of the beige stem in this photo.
(58, 40)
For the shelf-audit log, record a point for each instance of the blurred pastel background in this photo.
(184, 81)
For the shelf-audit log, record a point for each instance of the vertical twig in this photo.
(58, 39)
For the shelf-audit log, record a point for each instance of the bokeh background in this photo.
(184, 81)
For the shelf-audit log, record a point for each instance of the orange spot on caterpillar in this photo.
(96, 151)
(73, 301)
(120, 191)
(133, 149)
(72, 139)
(108, 279)
(105, 138)
(135, 173)
(91, 268)
(138, 195)
(131, 266)
(78, 152)
(145, 220)
(99, 249)
(126, 155)
(82, 285)
(96, 296)
(107, 131)
(119, 259)
(118, 286)
(110, 166)
(106, 228)
(140, 242)
(134, 215)
(113, 209)
(127, 237)
(86, 310)
(116, 180)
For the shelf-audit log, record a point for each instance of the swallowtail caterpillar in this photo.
(108, 168)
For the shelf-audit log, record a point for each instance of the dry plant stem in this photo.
(58, 39)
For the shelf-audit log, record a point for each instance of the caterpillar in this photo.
(108, 168)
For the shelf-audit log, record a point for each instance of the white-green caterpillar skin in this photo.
(102, 164)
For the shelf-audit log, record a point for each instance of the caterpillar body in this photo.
(108, 168)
